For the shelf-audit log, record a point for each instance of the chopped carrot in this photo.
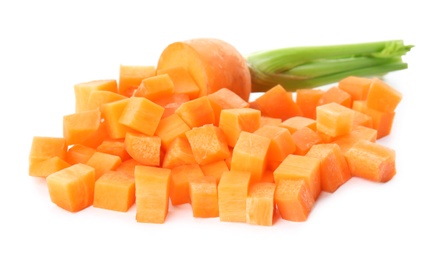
(130, 77)
(203, 193)
(260, 206)
(215, 169)
(208, 143)
(224, 98)
(152, 193)
(45, 147)
(279, 103)
(143, 148)
(345, 142)
(267, 120)
(47, 167)
(179, 186)
(171, 103)
(297, 122)
(114, 191)
(103, 162)
(267, 176)
(293, 199)
(182, 81)
(357, 87)
(111, 113)
(79, 153)
(155, 87)
(235, 120)
(307, 100)
(371, 161)
(334, 170)
(178, 153)
(127, 167)
(362, 119)
(382, 97)
(336, 95)
(83, 91)
(99, 97)
(141, 115)
(72, 188)
(232, 196)
(96, 137)
(79, 126)
(196, 112)
(301, 167)
(250, 155)
(381, 121)
(169, 128)
(304, 139)
(114, 147)
(334, 119)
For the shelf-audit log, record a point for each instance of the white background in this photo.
(48, 46)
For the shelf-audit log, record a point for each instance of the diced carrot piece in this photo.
(260, 205)
(196, 112)
(297, 122)
(152, 193)
(250, 155)
(362, 119)
(103, 162)
(127, 167)
(281, 142)
(155, 87)
(143, 148)
(215, 169)
(130, 77)
(179, 187)
(79, 126)
(307, 100)
(334, 119)
(178, 153)
(296, 167)
(235, 120)
(334, 170)
(97, 137)
(232, 196)
(357, 87)
(72, 188)
(79, 153)
(277, 102)
(171, 103)
(183, 81)
(336, 95)
(225, 98)
(371, 161)
(141, 115)
(267, 176)
(99, 97)
(304, 139)
(381, 121)
(114, 147)
(45, 147)
(111, 113)
(294, 199)
(204, 196)
(169, 128)
(83, 91)
(208, 143)
(267, 120)
(345, 142)
(383, 97)
(47, 167)
(114, 191)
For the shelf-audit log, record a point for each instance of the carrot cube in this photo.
(155, 87)
(127, 167)
(250, 155)
(143, 148)
(80, 126)
(114, 191)
(297, 122)
(260, 204)
(196, 112)
(362, 119)
(334, 170)
(277, 102)
(225, 98)
(336, 95)
(179, 187)
(83, 91)
(232, 196)
(334, 119)
(357, 87)
(141, 115)
(44, 147)
(215, 169)
(114, 147)
(294, 200)
(304, 139)
(307, 100)
(383, 97)
(72, 188)
(130, 77)
(235, 120)
(47, 167)
(178, 153)
(298, 167)
(345, 142)
(371, 161)
(281, 142)
(381, 121)
(169, 128)
(111, 113)
(267, 120)
(103, 162)
(152, 193)
(99, 97)
(182, 80)
(203, 194)
(79, 153)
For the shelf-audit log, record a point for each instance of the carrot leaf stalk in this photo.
(314, 66)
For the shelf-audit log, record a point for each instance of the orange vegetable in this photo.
(130, 77)
(304, 139)
(99, 97)
(182, 81)
(235, 120)
(266, 120)
(152, 193)
(83, 91)
(170, 128)
(334, 119)
(357, 87)
(362, 119)
(203, 194)
(382, 97)
(381, 121)
(345, 142)
(260, 204)
(212, 63)
(103, 162)
(196, 112)
(79, 153)
(111, 113)
(127, 167)
(215, 169)
(47, 167)
(224, 98)
(44, 147)
(171, 103)
(371, 161)
(155, 87)
(114, 191)
(297, 122)
(72, 188)
(307, 100)
(232, 196)
(179, 187)
(336, 95)
(143, 148)
(80, 126)
(114, 147)
(294, 200)
(279, 103)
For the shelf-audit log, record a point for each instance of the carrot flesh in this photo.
(203, 192)
(304, 139)
(143, 148)
(334, 119)
(279, 103)
(131, 76)
(114, 147)
(99, 97)
(155, 87)
(224, 98)
(103, 162)
(357, 87)
(381, 121)
(79, 126)
(345, 142)
(79, 153)
(297, 122)
(84, 90)
(114, 191)
(336, 95)
(383, 97)
(232, 196)
(215, 169)
(45, 147)
(179, 186)
(182, 81)
(307, 100)
(293, 199)
(170, 128)
(235, 120)
(260, 206)
(111, 113)
(47, 167)
(196, 112)
(178, 153)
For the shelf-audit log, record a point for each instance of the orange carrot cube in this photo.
(381, 121)
(307, 100)
(383, 97)
(169, 128)
(114, 191)
(336, 95)
(155, 87)
(225, 98)
(47, 167)
(79, 153)
(80, 126)
(114, 147)
(277, 102)
(44, 147)
(345, 142)
(141, 115)
(232, 196)
(235, 120)
(260, 204)
(99, 97)
(143, 148)
(182, 80)
(178, 153)
(179, 186)
(304, 139)
(130, 77)
(334, 119)
(196, 112)
(111, 113)
(204, 196)
(357, 87)
(267, 120)
(294, 200)
(215, 169)
(297, 122)
(281, 142)
(83, 91)
(103, 162)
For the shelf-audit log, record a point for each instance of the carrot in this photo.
(103, 162)
(345, 142)
(114, 191)
(382, 97)
(111, 113)
(203, 193)
(235, 120)
(381, 121)
(99, 97)
(224, 98)
(293, 199)
(307, 100)
(357, 87)
(267, 120)
(169, 128)
(47, 167)
(260, 206)
(297, 122)
(152, 193)
(232, 196)
(208, 144)
(155, 87)
(196, 112)
(215, 169)
(79, 153)
(130, 77)
(299, 167)
(80, 126)
(143, 148)
(83, 91)
(267, 176)
(362, 119)
(371, 161)
(179, 186)
(212, 63)
(72, 188)
(182, 81)
(114, 147)
(334, 170)
(334, 119)
(250, 155)
(178, 153)
(304, 139)
(279, 103)
(142, 115)
(127, 167)
(96, 137)
(336, 95)
(45, 147)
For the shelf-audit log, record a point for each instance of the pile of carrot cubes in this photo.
(149, 139)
